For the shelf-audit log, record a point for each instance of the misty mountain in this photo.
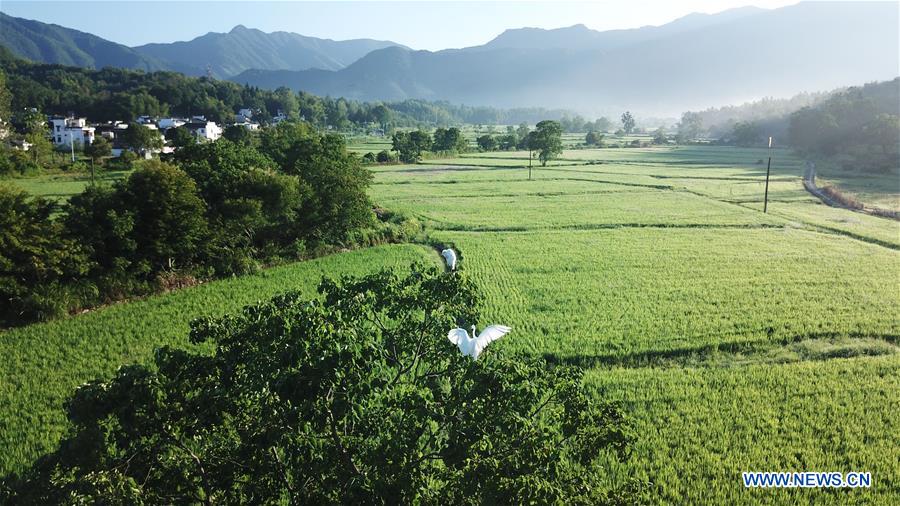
(580, 37)
(244, 48)
(226, 54)
(47, 43)
(698, 62)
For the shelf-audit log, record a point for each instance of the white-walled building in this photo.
(206, 130)
(67, 131)
(167, 123)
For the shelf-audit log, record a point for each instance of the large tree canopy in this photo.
(354, 397)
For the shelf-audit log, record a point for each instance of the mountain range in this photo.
(691, 63)
(221, 54)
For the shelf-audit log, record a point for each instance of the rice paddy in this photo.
(734, 340)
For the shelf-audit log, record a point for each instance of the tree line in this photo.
(858, 127)
(112, 94)
(213, 210)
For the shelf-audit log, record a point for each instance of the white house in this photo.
(206, 130)
(246, 123)
(67, 131)
(167, 123)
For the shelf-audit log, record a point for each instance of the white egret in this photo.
(473, 346)
(450, 256)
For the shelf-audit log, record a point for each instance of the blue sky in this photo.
(420, 25)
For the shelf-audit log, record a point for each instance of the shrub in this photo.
(356, 397)
(35, 261)
(384, 156)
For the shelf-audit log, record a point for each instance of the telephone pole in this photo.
(768, 171)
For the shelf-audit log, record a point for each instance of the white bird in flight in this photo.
(473, 346)
(450, 256)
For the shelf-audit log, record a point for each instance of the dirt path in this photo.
(809, 182)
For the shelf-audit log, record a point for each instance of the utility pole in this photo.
(72, 145)
(529, 163)
(768, 171)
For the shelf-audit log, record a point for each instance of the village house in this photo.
(167, 123)
(71, 131)
(205, 130)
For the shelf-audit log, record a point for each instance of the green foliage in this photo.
(5, 101)
(486, 142)
(627, 122)
(181, 137)
(99, 149)
(449, 139)
(384, 156)
(660, 137)
(252, 209)
(36, 262)
(364, 401)
(593, 139)
(410, 145)
(690, 127)
(113, 93)
(238, 134)
(546, 139)
(747, 133)
(139, 138)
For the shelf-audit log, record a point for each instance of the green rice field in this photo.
(734, 340)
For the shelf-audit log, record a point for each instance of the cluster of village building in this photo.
(73, 131)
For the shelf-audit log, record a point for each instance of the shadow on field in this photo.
(816, 346)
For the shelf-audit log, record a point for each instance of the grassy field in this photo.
(44, 363)
(735, 340)
(60, 186)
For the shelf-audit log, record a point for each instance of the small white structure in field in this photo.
(450, 256)
(473, 346)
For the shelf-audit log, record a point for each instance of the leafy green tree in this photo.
(487, 142)
(522, 132)
(410, 145)
(690, 127)
(355, 397)
(39, 269)
(238, 134)
(5, 102)
(381, 115)
(507, 142)
(99, 149)
(252, 209)
(139, 137)
(546, 140)
(40, 146)
(746, 133)
(383, 156)
(286, 101)
(169, 216)
(449, 139)
(884, 131)
(627, 122)
(180, 137)
(602, 124)
(659, 136)
(593, 139)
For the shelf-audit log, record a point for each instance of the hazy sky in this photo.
(420, 24)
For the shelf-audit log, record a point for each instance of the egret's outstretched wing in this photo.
(488, 336)
(457, 336)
